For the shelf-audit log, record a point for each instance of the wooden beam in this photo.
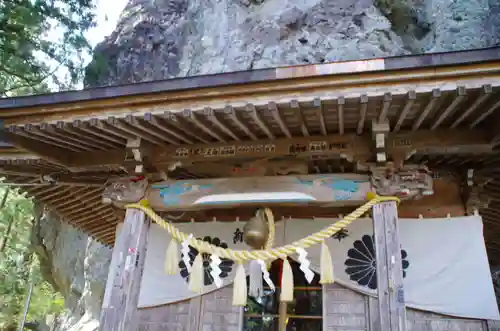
(436, 94)
(318, 107)
(68, 137)
(385, 107)
(273, 108)
(257, 117)
(233, 115)
(159, 124)
(181, 124)
(363, 107)
(486, 92)
(119, 308)
(459, 98)
(323, 190)
(411, 97)
(191, 117)
(212, 117)
(340, 113)
(353, 147)
(144, 126)
(47, 152)
(392, 311)
(94, 130)
(485, 114)
(295, 106)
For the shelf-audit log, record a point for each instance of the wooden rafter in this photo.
(53, 154)
(212, 117)
(412, 96)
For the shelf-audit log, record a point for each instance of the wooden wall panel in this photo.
(493, 325)
(425, 321)
(347, 310)
(343, 309)
(211, 312)
(218, 312)
(417, 320)
(173, 317)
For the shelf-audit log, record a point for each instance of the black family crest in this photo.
(226, 265)
(361, 263)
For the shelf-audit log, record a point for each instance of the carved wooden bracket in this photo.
(125, 190)
(409, 182)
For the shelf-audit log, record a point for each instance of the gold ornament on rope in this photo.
(266, 254)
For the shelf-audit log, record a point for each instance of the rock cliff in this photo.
(160, 39)
(76, 266)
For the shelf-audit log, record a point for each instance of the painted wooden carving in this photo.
(125, 190)
(322, 190)
(410, 182)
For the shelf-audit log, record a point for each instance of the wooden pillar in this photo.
(119, 309)
(392, 312)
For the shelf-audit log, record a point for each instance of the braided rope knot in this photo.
(268, 253)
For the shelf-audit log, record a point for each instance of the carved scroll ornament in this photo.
(410, 182)
(125, 190)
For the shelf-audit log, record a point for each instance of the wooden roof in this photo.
(445, 104)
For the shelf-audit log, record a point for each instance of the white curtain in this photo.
(445, 264)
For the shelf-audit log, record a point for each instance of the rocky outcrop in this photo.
(76, 265)
(159, 39)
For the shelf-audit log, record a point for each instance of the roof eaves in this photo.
(255, 76)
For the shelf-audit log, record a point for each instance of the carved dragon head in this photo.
(125, 190)
(411, 182)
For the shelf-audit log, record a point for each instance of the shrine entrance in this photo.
(305, 313)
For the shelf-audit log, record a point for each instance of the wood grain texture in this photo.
(418, 320)
(343, 309)
(389, 268)
(493, 325)
(180, 316)
(211, 312)
(425, 321)
(119, 311)
(218, 312)
(324, 190)
(353, 147)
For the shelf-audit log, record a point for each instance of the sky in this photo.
(108, 12)
(107, 15)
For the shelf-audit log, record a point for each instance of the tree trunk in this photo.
(4, 198)
(11, 220)
(6, 235)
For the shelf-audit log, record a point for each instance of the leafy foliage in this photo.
(19, 267)
(40, 40)
(42, 46)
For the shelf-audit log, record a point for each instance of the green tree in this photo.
(19, 266)
(42, 44)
